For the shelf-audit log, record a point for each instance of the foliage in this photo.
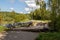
(2, 28)
(58, 23)
(40, 14)
(35, 15)
(20, 17)
(49, 36)
(10, 17)
(55, 14)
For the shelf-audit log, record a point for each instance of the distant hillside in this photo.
(10, 17)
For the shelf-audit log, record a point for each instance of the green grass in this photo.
(49, 36)
(2, 28)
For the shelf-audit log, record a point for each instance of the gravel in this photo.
(20, 35)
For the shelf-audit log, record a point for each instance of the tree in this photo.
(41, 13)
(41, 3)
(20, 17)
(42, 8)
(35, 14)
(55, 14)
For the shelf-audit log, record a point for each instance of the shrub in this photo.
(55, 23)
(49, 36)
(2, 28)
(58, 23)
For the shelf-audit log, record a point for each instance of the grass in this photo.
(49, 36)
(2, 28)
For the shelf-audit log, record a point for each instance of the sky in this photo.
(20, 6)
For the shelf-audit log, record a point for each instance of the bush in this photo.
(49, 36)
(58, 23)
(2, 28)
(55, 23)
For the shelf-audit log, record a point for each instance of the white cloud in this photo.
(31, 0)
(38, 6)
(31, 3)
(26, 9)
(21, 12)
(11, 8)
(28, 12)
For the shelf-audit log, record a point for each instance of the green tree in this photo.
(54, 8)
(20, 17)
(43, 10)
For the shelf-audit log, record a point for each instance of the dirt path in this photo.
(20, 35)
(2, 35)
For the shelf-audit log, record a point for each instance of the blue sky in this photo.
(16, 5)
